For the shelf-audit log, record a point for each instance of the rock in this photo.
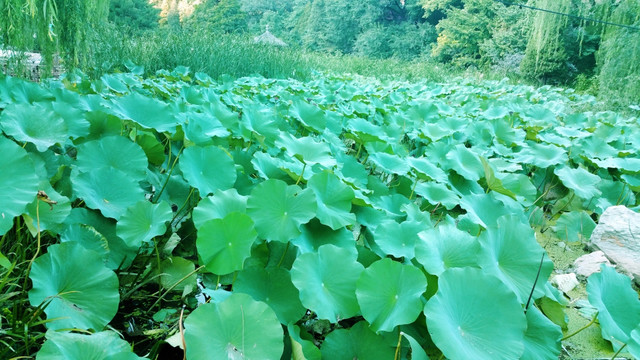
(588, 264)
(565, 282)
(618, 236)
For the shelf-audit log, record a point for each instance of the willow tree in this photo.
(546, 56)
(52, 26)
(619, 56)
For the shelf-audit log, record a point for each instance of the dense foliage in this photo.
(337, 218)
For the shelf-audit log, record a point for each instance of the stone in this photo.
(565, 282)
(618, 236)
(588, 264)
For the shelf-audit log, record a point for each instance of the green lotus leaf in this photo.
(302, 349)
(484, 209)
(74, 299)
(446, 247)
(495, 112)
(541, 155)
(19, 186)
(112, 152)
(221, 204)
(272, 286)
(465, 162)
(542, 338)
(236, 328)
(109, 190)
(307, 150)
(521, 186)
(177, 274)
(634, 342)
(208, 169)
(352, 171)
(114, 83)
(365, 131)
(51, 216)
(224, 244)
(582, 182)
(426, 169)
(437, 193)
(89, 238)
(145, 111)
(617, 303)
(389, 294)
(259, 121)
(314, 234)
(74, 118)
(201, 128)
(334, 200)
(474, 315)
(309, 115)
(574, 226)
(358, 342)
(34, 123)
(151, 147)
(511, 253)
(398, 239)
(279, 210)
(614, 193)
(390, 164)
(493, 182)
(105, 345)
(327, 282)
(142, 221)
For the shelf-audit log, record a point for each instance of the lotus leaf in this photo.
(389, 294)
(208, 169)
(397, 239)
(542, 339)
(574, 226)
(72, 298)
(358, 342)
(236, 328)
(446, 247)
(224, 244)
(142, 221)
(314, 235)
(582, 182)
(221, 204)
(474, 315)
(34, 123)
(279, 210)
(145, 111)
(617, 303)
(334, 200)
(112, 152)
(327, 282)
(105, 345)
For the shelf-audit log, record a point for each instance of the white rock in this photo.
(618, 236)
(565, 282)
(588, 264)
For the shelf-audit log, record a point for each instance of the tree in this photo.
(134, 14)
(224, 16)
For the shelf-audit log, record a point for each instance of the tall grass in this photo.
(237, 56)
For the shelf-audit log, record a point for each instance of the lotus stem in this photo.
(582, 328)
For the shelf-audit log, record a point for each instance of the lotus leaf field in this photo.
(340, 218)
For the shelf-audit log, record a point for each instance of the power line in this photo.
(570, 15)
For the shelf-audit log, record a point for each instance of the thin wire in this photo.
(570, 15)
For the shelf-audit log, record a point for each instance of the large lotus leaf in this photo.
(334, 200)
(542, 339)
(314, 234)
(634, 342)
(208, 169)
(446, 247)
(437, 193)
(474, 315)
(352, 171)
(484, 209)
(88, 301)
(105, 345)
(35, 123)
(142, 221)
(18, 182)
(398, 239)
(236, 328)
(417, 352)
(261, 120)
(390, 164)
(542, 155)
(495, 112)
(427, 169)
(274, 287)
(493, 182)
(221, 204)
(617, 303)
(582, 182)
(627, 164)
(108, 190)
(307, 150)
(224, 244)
(614, 193)
(327, 282)
(510, 252)
(389, 294)
(151, 147)
(358, 342)
(465, 162)
(309, 115)
(146, 111)
(112, 152)
(574, 226)
(521, 186)
(279, 210)
(201, 128)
